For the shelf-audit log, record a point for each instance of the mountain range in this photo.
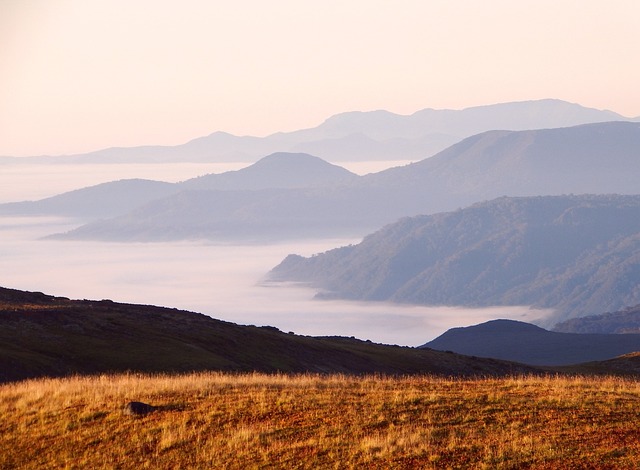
(276, 171)
(594, 158)
(531, 241)
(353, 136)
(578, 255)
(525, 343)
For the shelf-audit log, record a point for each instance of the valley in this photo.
(498, 259)
(319, 235)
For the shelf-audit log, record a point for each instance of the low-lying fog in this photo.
(224, 281)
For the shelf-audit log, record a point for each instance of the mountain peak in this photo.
(291, 158)
(505, 326)
(278, 170)
(303, 163)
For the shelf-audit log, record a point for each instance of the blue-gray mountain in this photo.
(360, 135)
(529, 344)
(622, 322)
(578, 255)
(94, 202)
(594, 158)
(279, 170)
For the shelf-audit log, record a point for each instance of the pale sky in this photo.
(81, 75)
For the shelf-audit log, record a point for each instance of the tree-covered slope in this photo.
(579, 255)
(621, 322)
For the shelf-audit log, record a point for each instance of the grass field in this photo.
(215, 420)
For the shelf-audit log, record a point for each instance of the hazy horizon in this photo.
(220, 280)
(81, 75)
(32, 182)
(225, 281)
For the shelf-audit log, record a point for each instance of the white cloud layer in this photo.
(223, 281)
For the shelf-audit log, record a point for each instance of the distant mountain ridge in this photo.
(279, 170)
(102, 200)
(529, 344)
(578, 255)
(357, 136)
(590, 158)
(593, 158)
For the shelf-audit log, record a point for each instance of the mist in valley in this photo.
(225, 281)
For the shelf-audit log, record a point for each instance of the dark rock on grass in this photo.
(137, 408)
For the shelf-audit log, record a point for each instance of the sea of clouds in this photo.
(224, 281)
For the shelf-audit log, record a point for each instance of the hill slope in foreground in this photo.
(41, 335)
(215, 420)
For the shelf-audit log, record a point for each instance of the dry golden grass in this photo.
(213, 420)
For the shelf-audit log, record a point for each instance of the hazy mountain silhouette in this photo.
(521, 342)
(594, 158)
(576, 254)
(359, 146)
(524, 115)
(279, 170)
(361, 135)
(239, 216)
(102, 200)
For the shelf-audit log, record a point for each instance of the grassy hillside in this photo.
(626, 365)
(215, 420)
(41, 335)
